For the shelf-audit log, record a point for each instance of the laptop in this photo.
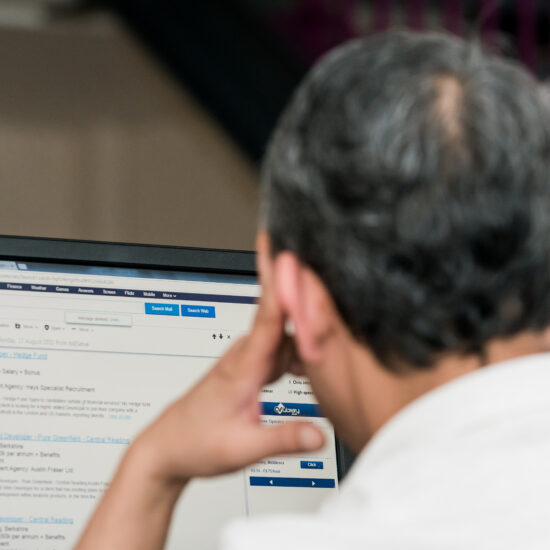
(96, 339)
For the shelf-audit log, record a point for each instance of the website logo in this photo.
(281, 409)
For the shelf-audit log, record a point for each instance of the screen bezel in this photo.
(141, 256)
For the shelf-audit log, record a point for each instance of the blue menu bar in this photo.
(198, 311)
(319, 483)
(131, 293)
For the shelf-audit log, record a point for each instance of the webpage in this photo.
(88, 360)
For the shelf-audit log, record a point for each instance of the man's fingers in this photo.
(263, 258)
(263, 342)
(267, 329)
(289, 438)
(286, 360)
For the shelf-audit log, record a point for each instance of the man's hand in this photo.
(215, 428)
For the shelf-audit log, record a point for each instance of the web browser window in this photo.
(88, 357)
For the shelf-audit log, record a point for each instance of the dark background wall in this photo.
(145, 120)
(97, 141)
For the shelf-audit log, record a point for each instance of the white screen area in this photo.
(86, 361)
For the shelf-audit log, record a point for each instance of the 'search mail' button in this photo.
(198, 311)
(161, 309)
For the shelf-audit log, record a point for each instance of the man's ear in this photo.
(546, 339)
(306, 302)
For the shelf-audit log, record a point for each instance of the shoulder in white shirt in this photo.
(465, 466)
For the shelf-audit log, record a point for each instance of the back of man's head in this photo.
(410, 172)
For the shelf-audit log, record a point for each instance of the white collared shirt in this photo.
(465, 466)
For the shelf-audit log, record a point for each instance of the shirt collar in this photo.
(487, 394)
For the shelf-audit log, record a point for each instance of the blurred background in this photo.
(145, 120)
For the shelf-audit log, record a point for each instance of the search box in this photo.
(97, 318)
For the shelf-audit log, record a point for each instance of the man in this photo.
(406, 234)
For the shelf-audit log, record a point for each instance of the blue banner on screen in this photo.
(290, 409)
(319, 483)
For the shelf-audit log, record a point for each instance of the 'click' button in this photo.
(311, 465)
(198, 311)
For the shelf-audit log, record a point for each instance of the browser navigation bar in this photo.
(129, 293)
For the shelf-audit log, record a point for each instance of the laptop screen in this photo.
(89, 355)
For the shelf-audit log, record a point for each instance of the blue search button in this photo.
(311, 464)
(198, 311)
(161, 309)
